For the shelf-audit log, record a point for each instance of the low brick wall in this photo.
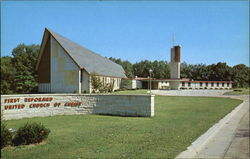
(34, 105)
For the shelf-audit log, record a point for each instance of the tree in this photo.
(240, 76)
(200, 72)
(160, 69)
(220, 72)
(187, 70)
(7, 75)
(24, 61)
(141, 69)
(128, 67)
(96, 82)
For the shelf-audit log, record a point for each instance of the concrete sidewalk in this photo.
(229, 138)
(219, 144)
(239, 147)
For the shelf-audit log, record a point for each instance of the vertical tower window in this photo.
(81, 76)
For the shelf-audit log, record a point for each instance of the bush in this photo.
(103, 89)
(30, 134)
(6, 136)
(237, 90)
(126, 84)
(96, 82)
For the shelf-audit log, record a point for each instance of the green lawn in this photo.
(138, 91)
(177, 123)
(238, 91)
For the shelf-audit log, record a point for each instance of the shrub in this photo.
(6, 136)
(126, 84)
(111, 86)
(30, 134)
(237, 90)
(96, 82)
(103, 89)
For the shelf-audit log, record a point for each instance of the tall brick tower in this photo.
(175, 62)
(175, 68)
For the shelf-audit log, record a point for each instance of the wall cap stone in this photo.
(70, 94)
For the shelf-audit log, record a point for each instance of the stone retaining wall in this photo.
(33, 105)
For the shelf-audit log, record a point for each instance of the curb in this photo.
(198, 144)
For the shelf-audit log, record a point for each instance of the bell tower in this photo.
(175, 62)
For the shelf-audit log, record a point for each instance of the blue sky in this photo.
(209, 32)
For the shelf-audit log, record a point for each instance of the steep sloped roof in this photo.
(87, 59)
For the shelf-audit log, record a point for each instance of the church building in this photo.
(66, 67)
(176, 82)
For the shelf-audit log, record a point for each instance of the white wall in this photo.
(174, 70)
(33, 105)
(163, 84)
(117, 83)
(135, 84)
(174, 85)
(65, 74)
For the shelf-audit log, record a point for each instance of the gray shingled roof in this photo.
(87, 59)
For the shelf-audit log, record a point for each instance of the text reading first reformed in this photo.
(32, 105)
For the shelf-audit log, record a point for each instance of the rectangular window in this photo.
(222, 84)
(212, 84)
(189, 84)
(81, 76)
(201, 84)
(228, 84)
(206, 84)
(218, 84)
(183, 84)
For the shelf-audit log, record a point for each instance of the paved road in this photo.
(190, 92)
(228, 139)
